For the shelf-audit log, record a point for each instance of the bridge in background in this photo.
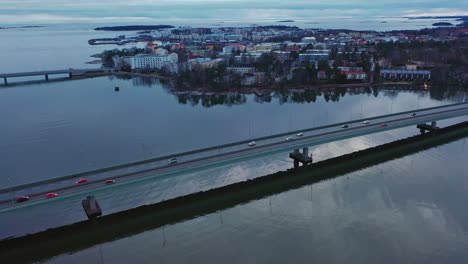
(70, 72)
(200, 159)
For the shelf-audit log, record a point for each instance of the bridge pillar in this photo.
(299, 157)
(5, 80)
(70, 75)
(425, 127)
(47, 77)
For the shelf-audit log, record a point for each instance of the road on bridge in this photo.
(225, 154)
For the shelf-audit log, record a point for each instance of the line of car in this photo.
(171, 161)
(25, 198)
(300, 134)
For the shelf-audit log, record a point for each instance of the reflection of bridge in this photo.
(226, 154)
(39, 247)
(46, 74)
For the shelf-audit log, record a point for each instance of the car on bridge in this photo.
(109, 182)
(300, 134)
(289, 138)
(22, 198)
(51, 195)
(82, 180)
(252, 144)
(172, 161)
(383, 125)
(366, 122)
(344, 126)
(413, 114)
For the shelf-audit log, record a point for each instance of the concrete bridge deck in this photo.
(70, 72)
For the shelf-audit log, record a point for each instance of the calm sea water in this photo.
(407, 210)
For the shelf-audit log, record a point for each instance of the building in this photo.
(203, 63)
(309, 40)
(355, 75)
(405, 74)
(322, 75)
(266, 47)
(155, 61)
(241, 70)
(248, 58)
(350, 69)
(313, 56)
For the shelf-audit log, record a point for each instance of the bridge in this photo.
(190, 161)
(46, 74)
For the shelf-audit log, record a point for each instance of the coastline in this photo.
(259, 90)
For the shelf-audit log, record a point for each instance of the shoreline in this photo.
(247, 89)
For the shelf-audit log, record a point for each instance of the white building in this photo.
(357, 75)
(309, 39)
(155, 61)
(241, 70)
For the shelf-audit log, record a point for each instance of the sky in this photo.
(60, 11)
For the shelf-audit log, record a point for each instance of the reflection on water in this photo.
(405, 210)
(68, 127)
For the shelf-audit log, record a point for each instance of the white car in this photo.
(344, 126)
(252, 144)
(300, 134)
(366, 122)
(289, 138)
(172, 161)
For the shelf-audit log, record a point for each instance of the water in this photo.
(407, 210)
(68, 127)
(55, 129)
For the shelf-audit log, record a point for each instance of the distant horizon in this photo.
(149, 11)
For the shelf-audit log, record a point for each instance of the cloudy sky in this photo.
(50, 11)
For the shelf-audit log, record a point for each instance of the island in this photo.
(442, 24)
(286, 21)
(283, 57)
(134, 28)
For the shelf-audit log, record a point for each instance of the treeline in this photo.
(450, 52)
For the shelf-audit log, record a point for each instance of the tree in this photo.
(294, 55)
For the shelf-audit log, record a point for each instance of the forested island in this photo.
(442, 24)
(134, 28)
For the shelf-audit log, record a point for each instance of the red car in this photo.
(22, 198)
(51, 195)
(383, 125)
(82, 180)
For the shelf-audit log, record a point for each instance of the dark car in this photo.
(109, 182)
(22, 198)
